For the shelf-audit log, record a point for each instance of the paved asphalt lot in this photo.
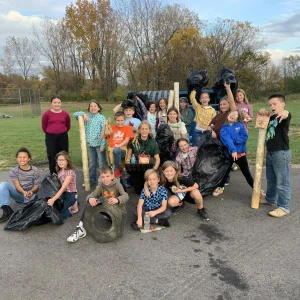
(240, 253)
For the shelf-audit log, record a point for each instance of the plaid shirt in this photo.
(203, 115)
(185, 161)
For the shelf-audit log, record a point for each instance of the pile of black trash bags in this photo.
(38, 212)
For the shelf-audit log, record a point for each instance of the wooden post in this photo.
(176, 95)
(85, 165)
(262, 124)
(171, 99)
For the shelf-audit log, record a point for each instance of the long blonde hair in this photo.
(244, 93)
(167, 164)
(135, 140)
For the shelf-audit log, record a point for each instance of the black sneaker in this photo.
(7, 211)
(163, 222)
(203, 214)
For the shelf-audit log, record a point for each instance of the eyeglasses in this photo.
(60, 160)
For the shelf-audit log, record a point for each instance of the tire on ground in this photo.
(105, 235)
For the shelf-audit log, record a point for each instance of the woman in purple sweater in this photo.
(56, 124)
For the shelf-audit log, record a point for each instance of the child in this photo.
(234, 136)
(108, 186)
(155, 205)
(161, 111)
(186, 157)
(278, 158)
(181, 188)
(26, 180)
(243, 106)
(94, 125)
(204, 114)
(186, 114)
(67, 177)
(151, 117)
(118, 141)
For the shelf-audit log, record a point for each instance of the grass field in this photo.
(27, 132)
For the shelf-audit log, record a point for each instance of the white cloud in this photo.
(277, 55)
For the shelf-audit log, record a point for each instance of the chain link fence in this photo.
(19, 103)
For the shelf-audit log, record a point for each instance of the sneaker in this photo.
(7, 212)
(278, 213)
(163, 222)
(117, 173)
(234, 168)
(218, 191)
(203, 214)
(79, 233)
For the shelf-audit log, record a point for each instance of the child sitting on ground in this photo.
(26, 180)
(155, 205)
(107, 186)
(118, 141)
(278, 158)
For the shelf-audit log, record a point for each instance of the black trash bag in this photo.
(211, 165)
(34, 213)
(225, 75)
(196, 80)
(144, 98)
(50, 185)
(164, 139)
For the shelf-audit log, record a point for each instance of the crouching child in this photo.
(154, 204)
(111, 190)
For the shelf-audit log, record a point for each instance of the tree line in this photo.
(100, 50)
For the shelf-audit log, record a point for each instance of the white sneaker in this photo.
(79, 233)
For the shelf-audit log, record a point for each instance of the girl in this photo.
(177, 127)
(234, 136)
(151, 117)
(243, 106)
(67, 177)
(186, 113)
(155, 205)
(26, 180)
(186, 157)
(56, 124)
(181, 188)
(143, 143)
(94, 124)
(161, 111)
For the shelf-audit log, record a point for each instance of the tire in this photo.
(105, 235)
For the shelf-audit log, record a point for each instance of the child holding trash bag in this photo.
(109, 189)
(94, 123)
(26, 180)
(154, 205)
(67, 177)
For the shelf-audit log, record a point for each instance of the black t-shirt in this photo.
(182, 181)
(277, 134)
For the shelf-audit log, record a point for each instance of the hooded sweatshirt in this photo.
(234, 137)
(114, 189)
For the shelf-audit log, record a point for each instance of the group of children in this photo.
(230, 126)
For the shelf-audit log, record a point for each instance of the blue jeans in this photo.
(118, 154)
(96, 156)
(198, 135)
(69, 200)
(278, 179)
(8, 191)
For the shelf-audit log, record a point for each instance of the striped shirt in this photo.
(62, 174)
(27, 178)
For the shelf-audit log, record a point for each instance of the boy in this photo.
(278, 158)
(204, 114)
(130, 120)
(155, 205)
(186, 113)
(118, 141)
(108, 186)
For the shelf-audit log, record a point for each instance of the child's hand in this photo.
(213, 134)
(282, 115)
(227, 85)
(262, 111)
(25, 194)
(101, 149)
(93, 201)
(29, 194)
(86, 118)
(147, 193)
(234, 156)
(113, 200)
(151, 213)
(139, 223)
(50, 202)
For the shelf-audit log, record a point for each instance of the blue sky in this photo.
(278, 20)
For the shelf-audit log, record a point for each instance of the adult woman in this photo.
(143, 143)
(56, 124)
